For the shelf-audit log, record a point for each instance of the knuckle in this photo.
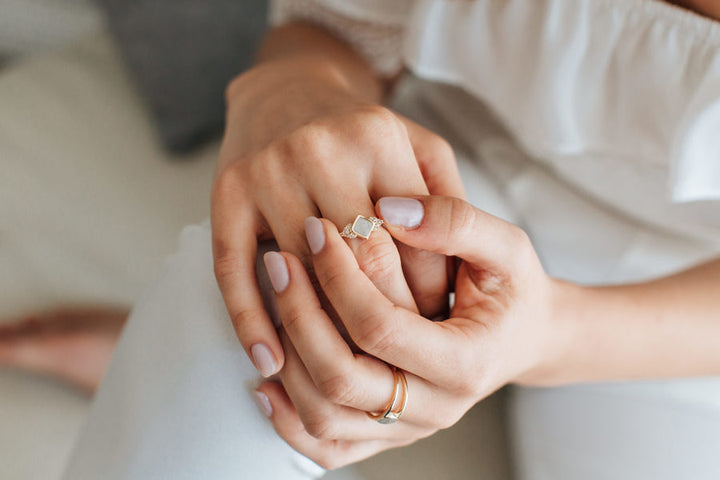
(376, 336)
(435, 148)
(380, 125)
(378, 259)
(234, 87)
(519, 237)
(462, 222)
(442, 421)
(319, 426)
(468, 387)
(468, 373)
(257, 170)
(330, 279)
(451, 419)
(308, 149)
(417, 256)
(227, 182)
(440, 147)
(442, 418)
(226, 264)
(245, 316)
(292, 319)
(523, 253)
(267, 169)
(308, 145)
(339, 389)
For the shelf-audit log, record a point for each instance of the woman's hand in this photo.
(300, 141)
(500, 331)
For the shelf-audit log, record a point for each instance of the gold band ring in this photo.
(396, 406)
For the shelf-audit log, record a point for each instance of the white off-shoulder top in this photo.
(618, 98)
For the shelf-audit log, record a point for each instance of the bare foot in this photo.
(72, 344)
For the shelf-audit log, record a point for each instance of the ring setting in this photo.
(396, 407)
(361, 227)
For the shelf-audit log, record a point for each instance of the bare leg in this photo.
(72, 344)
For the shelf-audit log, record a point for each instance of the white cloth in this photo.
(177, 402)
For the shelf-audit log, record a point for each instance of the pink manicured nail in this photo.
(315, 234)
(406, 212)
(277, 271)
(264, 359)
(264, 403)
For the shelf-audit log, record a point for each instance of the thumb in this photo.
(451, 226)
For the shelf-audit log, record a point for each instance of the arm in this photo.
(667, 327)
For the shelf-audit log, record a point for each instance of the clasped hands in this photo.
(351, 308)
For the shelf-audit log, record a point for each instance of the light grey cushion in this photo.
(183, 53)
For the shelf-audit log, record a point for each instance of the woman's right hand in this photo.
(300, 143)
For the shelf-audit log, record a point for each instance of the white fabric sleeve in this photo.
(177, 399)
(373, 28)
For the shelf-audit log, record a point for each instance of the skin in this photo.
(70, 343)
(709, 8)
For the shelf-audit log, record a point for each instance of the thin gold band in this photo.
(396, 406)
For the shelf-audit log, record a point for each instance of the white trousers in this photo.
(177, 402)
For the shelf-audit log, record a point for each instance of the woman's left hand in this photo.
(501, 330)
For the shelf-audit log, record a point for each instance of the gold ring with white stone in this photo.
(362, 227)
(396, 406)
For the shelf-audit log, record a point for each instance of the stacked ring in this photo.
(396, 406)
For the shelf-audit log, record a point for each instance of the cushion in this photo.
(182, 54)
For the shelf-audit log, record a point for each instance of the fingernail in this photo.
(315, 234)
(406, 212)
(277, 271)
(264, 359)
(264, 403)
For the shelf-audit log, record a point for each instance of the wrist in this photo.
(560, 335)
(274, 76)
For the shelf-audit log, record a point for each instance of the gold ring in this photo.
(396, 406)
(362, 227)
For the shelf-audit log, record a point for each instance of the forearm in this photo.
(668, 327)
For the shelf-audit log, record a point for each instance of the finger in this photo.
(430, 350)
(329, 454)
(285, 204)
(284, 217)
(451, 226)
(378, 255)
(436, 159)
(341, 376)
(234, 242)
(327, 420)
(427, 277)
(413, 152)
